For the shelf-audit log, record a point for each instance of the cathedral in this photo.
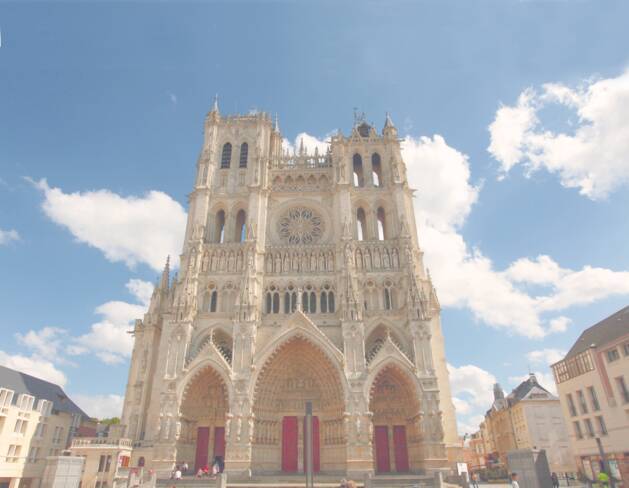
(301, 279)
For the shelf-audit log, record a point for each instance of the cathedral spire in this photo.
(165, 275)
(388, 123)
(389, 130)
(276, 125)
(215, 104)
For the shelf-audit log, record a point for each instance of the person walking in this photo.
(514, 480)
(474, 480)
(555, 479)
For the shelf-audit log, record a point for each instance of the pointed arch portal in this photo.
(297, 372)
(396, 412)
(203, 411)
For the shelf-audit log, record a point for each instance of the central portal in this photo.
(298, 372)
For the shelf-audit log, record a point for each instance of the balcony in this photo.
(100, 443)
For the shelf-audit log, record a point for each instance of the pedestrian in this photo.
(555, 480)
(474, 480)
(603, 479)
(514, 480)
(184, 468)
(177, 474)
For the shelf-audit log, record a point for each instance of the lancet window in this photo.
(357, 166)
(244, 154)
(376, 170)
(226, 155)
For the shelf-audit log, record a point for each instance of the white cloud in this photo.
(7, 236)
(38, 367)
(109, 339)
(44, 342)
(593, 156)
(472, 395)
(309, 142)
(128, 229)
(546, 356)
(559, 324)
(100, 406)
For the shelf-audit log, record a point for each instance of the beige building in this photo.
(530, 417)
(37, 420)
(106, 460)
(301, 279)
(593, 385)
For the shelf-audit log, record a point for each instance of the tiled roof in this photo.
(605, 331)
(40, 389)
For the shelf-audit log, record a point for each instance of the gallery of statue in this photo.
(301, 279)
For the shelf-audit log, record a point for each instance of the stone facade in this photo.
(301, 278)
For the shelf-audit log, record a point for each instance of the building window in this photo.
(273, 300)
(290, 300)
(625, 348)
(602, 428)
(108, 464)
(361, 224)
(213, 301)
(622, 388)
(6, 397)
(577, 429)
(20, 427)
(327, 300)
(571, 407)
(594, 399)
(219, 228)
(357, 164)
(13, 453)
(244, 153)
(241, 232)
(376, 170)
(582, 404)
(226, 156)
(381, 224)
(612, 355)
(589, 427)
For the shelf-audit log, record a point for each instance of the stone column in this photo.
(358, 432)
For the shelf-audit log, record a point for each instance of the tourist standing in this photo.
(514, 480)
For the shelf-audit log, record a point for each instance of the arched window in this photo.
(213, 301)
(290, 300)
(324, 302)
(226, 156)
(313, 302)
(361, 224)
(269, 302)
(381, 224)
(273, 300)
(387, 299)
(357, 165)
(241, 229)
(244, 153)
(219, 230)
(309, 300)
(327, 300)
(331, 304)
(376, 170)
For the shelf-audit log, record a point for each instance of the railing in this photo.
(100, 442)
(301, 161)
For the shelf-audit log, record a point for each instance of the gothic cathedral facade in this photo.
(301, 279)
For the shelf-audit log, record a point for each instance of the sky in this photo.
(515, 124)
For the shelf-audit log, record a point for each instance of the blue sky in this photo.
(111, 97)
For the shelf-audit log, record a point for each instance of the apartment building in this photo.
(37, 420)
(530, 417)
(593, 386)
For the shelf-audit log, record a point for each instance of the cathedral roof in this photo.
(24, 383)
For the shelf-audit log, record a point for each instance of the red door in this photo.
(383, 464)
(203, 442)
(400, 448)
(289, 444)
(316, 458)
(219, 442)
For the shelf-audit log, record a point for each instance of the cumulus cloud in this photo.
(309, 142)
(592, 156)
(129, 229)
(472, 395)
(35, 366)
(7, 236)
(109, 339)
(546, 356)
(100, 406)
(44, 342)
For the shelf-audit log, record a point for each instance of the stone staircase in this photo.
(298, 481)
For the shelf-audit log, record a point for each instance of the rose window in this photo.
(301, 225)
